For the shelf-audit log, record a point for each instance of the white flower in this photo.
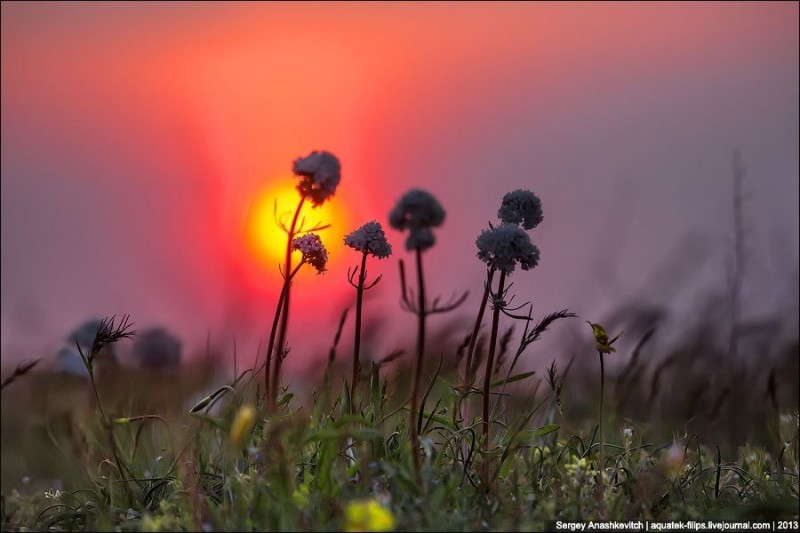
(521, 207)
(418, 211)
(313, 250)
(504, 246)
(320, 173)
(370, 238)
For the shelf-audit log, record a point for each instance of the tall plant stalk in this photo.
(487, 377)
(281, 316)
(468, 377)
(362, 276)
(421, 312)
(602, 417)
(603, 346)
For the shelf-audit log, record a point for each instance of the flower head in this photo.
(521, 207)
(418, 211)
(367, 515)
(300, 495)
(242, 424)
(673, 463)
(371, 239)
(505, 246)
(320, 173)
(313, 251)
(601, 342)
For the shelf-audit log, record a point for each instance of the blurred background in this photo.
(138, 137)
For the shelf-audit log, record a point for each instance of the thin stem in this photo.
(602, 411)
(90, 368)
(487, 377)
(421, 311)
(270, 347)
(362, 276)
(271, 389)
(108, 426)
(736, 277)
(468, 377)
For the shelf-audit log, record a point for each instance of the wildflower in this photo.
(53, 494)
(242, 424)
(673, 462)
(601, 341)
(320, 172)
(521, 207)
(367, 515)
(502, 247)
(578, 466)
(418, 211)
(540, 454)
(579, 470)
(300, 495)
(313, 251)
(370, 238)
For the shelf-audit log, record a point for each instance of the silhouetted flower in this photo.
(418, 211)
(68, 358)
(370, 238)
(313, 251)
(521, 207)
(505, 246)
(157, 348)
(320, 172)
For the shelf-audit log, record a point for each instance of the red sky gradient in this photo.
(134, 136)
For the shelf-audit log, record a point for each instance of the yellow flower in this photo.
(367, 515)
(300, 495)
(242, 424)
(601, 341)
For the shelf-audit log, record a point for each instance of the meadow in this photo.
(444, 435)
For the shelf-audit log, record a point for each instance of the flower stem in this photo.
(468, 377)
(270, 347)
(108, 425)
(362, 276)
(281, 313)
(602, 434)
(421, 312)
(487, 377)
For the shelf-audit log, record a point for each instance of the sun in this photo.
(267, 241)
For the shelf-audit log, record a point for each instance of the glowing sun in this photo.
(265, 238)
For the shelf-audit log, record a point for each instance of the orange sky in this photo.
(154, 125)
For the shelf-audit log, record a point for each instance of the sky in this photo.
(137, 137)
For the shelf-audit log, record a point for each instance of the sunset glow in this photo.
(266, 240)
(166, 131)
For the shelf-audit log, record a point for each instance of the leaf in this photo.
(351, 419)
(445, 421)
(512, 379)
(213, 420)
(545, 430)
(286, 398)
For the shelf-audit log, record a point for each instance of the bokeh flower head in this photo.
(417, 211)
(319, 174)
(367, 515)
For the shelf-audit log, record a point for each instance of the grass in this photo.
(409, 445)
(185, 471)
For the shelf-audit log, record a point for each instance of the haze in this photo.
(135, 134)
